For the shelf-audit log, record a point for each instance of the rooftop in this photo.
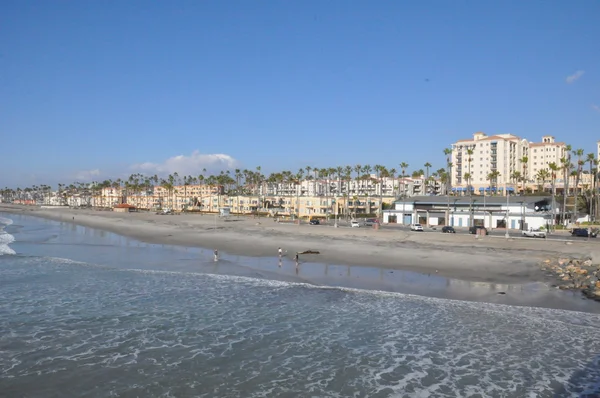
(475, 198)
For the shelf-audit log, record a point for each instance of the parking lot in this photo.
(496, 233)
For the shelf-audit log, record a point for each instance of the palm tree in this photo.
(515, 177)
(448, 153)
(358, 170)
(541, 178)
(524, 160)
(403, 167)
(467, 178)
(580, 162)
(553, 173)
(590, 159)
(469, 160)
(492, 177)
(366, 171)
(427, 165)
(392, 173)
(566, 167)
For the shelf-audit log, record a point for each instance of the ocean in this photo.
(87, 313)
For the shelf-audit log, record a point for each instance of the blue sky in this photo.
(102, 89)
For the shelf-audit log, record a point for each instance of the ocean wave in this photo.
(5, 240)
(527, 313)
(5, 221)
(167, 332)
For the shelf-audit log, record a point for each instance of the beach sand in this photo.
(457, 256)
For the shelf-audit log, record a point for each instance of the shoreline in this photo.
(459, 258)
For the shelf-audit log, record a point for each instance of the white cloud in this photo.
(596, 107)
(87, 175)
(575, 76)
(188, 165)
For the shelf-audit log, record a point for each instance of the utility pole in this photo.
(506, 235)
(448, 209)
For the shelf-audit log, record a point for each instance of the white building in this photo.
(465, 211)
(370, 186)
(502, 153)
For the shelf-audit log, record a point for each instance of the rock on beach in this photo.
(575, 274)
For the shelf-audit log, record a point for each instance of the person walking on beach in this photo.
(216, 252)
(280, 252)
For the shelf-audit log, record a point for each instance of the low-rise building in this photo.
(488, 211)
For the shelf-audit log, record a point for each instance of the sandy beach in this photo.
(458, 256)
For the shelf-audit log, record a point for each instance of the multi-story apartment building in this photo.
(541, 154)
(369, 186)
(501, 155)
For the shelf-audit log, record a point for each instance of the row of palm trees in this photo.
(250, 182)
(243, 182)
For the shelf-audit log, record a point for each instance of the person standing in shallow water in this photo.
(297, 258)
(280, 252)
(216, 252)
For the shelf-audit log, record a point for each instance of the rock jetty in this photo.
(575, 274)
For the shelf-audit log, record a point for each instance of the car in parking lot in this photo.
(475, 230)
(354, 224)
(369, 222)
(314, 221)
(534, 233)
(447, 229)
(416, 227)
(583, 233)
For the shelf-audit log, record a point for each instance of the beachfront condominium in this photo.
(500, 162)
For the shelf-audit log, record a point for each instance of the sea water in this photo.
(88, 313)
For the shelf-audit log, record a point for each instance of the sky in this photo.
(91, 90)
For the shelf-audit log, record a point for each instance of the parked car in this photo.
(354, 224)
(416, 227)
(475, 230)
(534, 233)
(583, 233)
(314, 222)
(370, 222)
(448, 230)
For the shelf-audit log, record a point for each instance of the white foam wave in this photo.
(5, 240)
(296, 342)
(532, 314)
(6, 221)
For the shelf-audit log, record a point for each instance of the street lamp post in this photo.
(506, 235)
(298, 204)
(335, 225)
(403, 209)
(553, 213)
(448, 209)
(471, 212)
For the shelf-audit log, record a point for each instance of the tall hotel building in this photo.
(503, 153)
